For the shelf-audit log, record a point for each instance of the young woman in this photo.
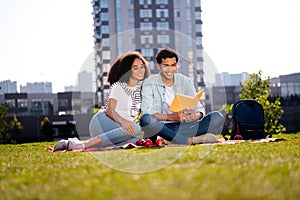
(115, 123)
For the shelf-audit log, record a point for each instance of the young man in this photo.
(189, 126)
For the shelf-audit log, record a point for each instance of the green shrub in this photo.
(259, 89)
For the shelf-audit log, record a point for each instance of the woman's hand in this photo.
(128, 127)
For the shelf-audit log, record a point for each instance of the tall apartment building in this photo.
(147, 26)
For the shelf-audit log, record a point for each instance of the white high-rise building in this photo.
(8, 86)
(36, 87)
(85, 82)
(226, 79)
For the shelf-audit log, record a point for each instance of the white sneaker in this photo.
(205, 138)
(75, 144)
(61, 145)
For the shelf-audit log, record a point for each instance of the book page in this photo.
(181, 102)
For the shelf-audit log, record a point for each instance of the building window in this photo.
(104, 4)
(105, 55)
(104, 16)
(63, 102)
(10, 103)
(104, 29)
(147, 52)
(130, 25)
(145, 2)
(177, 39)
(131, 39)
(130, 13)
(36, 104)
(162, 25)
(198, 15)
(176, 13)
(145, 13)
(22, 103)
(105, 43)
(162, 13)
(76, 102)
(163, 39)
(188, 3)
(189, 30)
(198, 28)
(198, 40)
(198, 53)
(188, 14)
(146, 26)
(147, 39)
(177, 26)
(158, 2)
(297, 88)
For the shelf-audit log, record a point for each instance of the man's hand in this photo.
(187, 115)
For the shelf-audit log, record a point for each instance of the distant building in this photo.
(8, 86)
(226, 79)
(23, 104)
(290, 84)
(85, 83)
(70, 88)
(36, 87)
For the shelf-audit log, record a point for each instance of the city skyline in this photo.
(51, 41)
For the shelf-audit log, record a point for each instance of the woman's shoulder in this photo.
(116, 87)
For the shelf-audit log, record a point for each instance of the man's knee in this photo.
(217, 119)
(146, 120)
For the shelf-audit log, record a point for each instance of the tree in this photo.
(3, 124)
(257, 88)
(47, 130)
(3, 113)
(15, 129)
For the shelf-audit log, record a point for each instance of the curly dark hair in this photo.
(122, 65)
(166, 53)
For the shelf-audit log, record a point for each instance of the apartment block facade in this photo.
(147, 26)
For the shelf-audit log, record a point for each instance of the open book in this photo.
(181, 102)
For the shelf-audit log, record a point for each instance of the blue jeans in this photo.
(111, 132)
(179, 132)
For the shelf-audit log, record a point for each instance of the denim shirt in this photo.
(153, 93)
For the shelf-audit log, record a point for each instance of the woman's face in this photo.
(137, 69)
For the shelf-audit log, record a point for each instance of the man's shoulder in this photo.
(152, 78)
(182, 77)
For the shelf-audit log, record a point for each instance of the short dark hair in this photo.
(119, 70)
(166, 53)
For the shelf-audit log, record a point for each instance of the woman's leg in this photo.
(116, 136)
(119, 137)
(100, 123)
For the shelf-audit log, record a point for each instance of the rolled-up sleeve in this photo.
(147, 98)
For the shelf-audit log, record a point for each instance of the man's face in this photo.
(168, 67)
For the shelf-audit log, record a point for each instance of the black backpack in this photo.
(248, 120)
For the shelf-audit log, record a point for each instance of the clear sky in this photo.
(49, 40)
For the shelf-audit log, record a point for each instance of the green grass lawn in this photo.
(240, 171)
